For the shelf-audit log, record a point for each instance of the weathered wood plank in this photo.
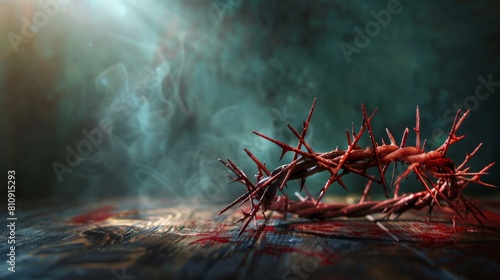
(162, 240)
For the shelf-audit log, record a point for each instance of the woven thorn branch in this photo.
(442, 181)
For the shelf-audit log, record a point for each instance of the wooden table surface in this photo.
(159, 239)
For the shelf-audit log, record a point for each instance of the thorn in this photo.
(391, 138)
(374, 144)
(403, 139)
(260, 165)
(302, 182)
(417, 129)
(283, 152)
(309, 149)
(332, 179)
(365, 192)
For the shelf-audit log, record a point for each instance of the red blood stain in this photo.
(433, 238)
(343, 229)
(97, 215)
(322, 255)
(436, 233)
(492, 218)
(213, 237)
(270, 229)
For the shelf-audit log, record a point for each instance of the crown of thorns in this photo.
(442, 181)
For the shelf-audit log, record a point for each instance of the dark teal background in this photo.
(191, 80)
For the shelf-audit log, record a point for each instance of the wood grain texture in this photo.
(143, 239)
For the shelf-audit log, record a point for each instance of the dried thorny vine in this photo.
(442, 181)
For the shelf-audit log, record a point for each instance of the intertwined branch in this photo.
(441, 180)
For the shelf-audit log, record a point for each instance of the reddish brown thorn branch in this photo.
(417, 129)
(334, 171)
(442, 183)
(260, 165)
(374, 145)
